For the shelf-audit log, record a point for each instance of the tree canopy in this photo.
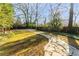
(55, 23)
(6, 15)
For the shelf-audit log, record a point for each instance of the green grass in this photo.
(11, 36)
(19, 31)
(30, 45)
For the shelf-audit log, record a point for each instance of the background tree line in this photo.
(22, 16)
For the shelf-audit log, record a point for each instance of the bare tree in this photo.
(36, 15)
(71, 16)
(31, 14)
(53, 10)
(55, 20)
(45, 21)
(24, 8)
(75, 18)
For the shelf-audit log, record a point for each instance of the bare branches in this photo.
(53, 10)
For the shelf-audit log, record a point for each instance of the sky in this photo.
(44, 10)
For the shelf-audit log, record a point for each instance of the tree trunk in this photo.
(3, 30)
(71, 17)
(36, 16)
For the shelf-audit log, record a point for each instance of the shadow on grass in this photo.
(13, 47)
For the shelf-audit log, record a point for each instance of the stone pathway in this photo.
(57, 47)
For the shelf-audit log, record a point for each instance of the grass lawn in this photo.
(16, 36)
(22, 43)
(36, 48)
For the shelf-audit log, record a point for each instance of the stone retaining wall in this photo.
(57, 47)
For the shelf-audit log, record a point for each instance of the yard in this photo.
(22, 42)
(30, 42)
